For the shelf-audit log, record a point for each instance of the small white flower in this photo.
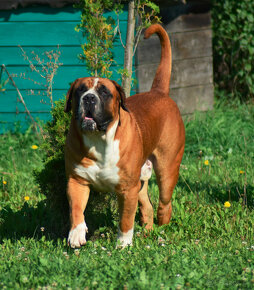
(76, 252)
(148, 247)
(230, 150)
(210, 158)
(103, 248)
(161, 240)
(24, 279)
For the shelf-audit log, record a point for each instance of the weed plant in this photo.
(209, 244)
(233, 49)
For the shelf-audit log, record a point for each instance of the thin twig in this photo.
(22, 100)
(6, 173)
(137, 39)
(118, 28)
(186, 184)
(32, 66)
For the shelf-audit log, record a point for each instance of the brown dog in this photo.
(112, 142)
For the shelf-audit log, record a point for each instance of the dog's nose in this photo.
(89, 99)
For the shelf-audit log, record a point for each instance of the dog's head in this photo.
(95, 102)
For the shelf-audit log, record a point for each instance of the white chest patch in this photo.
(103, 173)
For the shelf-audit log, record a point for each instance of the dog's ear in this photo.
(67, 106)
(122, 95)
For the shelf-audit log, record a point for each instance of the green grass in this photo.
(205, 246)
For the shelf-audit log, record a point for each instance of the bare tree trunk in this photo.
(128, 53)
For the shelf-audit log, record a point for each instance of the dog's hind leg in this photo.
(167, 172)
(145, 206)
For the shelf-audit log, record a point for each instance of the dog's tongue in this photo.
(88, 118)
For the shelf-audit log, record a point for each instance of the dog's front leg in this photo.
(78, 195)
(127, 203)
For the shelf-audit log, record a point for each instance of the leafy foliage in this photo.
(51, 178)
(99, 35)
(233, 47)
(100, 32)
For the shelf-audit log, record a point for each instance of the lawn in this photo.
(208, 244)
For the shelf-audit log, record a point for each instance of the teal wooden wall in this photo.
(41, 29)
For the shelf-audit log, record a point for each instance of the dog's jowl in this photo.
(113, 143)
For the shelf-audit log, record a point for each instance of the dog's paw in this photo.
(124, 239)
(77, 236)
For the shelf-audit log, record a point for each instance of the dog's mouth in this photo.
(88, 116)
(87, 122)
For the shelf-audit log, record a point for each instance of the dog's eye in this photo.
(82, 88)
(104, 92)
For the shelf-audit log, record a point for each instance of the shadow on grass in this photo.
(219, 193)
(52, 214)
(50, 217)
(53, 223)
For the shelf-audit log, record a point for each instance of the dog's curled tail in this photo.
(162, 77)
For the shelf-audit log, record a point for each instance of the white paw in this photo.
(146, 170)
(124, 239)
(77, 236)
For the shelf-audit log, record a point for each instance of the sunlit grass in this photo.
(208, 244)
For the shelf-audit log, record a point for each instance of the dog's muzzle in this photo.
(87, 111)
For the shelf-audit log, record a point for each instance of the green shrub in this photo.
(51, 178)
(233, 48)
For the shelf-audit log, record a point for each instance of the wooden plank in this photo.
(6, 118)
(45, 13)
(40, 13)
(41, 33)
(196, 98)
(190, 44)
(36, 102)
(189, 22)
(187, 72)
(65, 75)
(12, 55)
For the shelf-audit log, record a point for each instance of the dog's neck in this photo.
(101, 144)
